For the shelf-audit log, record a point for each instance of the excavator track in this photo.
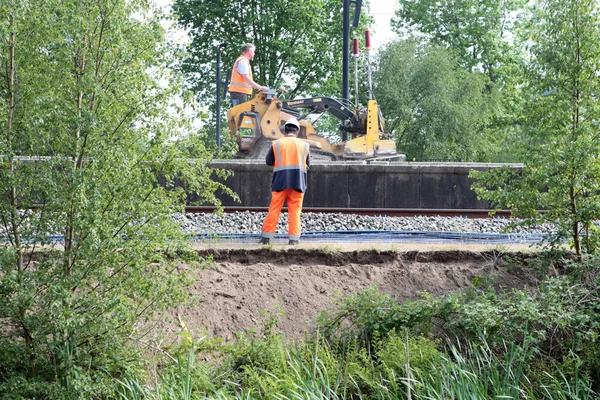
(258, 151)
(322, 155)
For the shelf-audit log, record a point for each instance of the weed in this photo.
(328, 248)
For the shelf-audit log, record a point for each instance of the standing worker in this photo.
(290, 159)
(240, 88)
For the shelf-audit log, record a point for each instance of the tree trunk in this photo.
(10, 136)
(78, 159)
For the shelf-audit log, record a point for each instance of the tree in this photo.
(478, 32)
(87, 133)
(434, 108)
(296, 41)
(561, 123)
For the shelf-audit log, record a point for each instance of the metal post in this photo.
(218, 107)
(346, 50)
(368, 48)
(355, 54)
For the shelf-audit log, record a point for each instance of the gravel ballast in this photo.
(251, 222)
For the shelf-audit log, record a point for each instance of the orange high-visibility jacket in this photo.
(238, 84)
(290, 159)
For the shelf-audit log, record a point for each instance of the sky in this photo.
(381, 10)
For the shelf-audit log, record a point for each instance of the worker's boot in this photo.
(293, 242)
(265, 240)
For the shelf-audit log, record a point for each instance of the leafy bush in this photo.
(371, 312)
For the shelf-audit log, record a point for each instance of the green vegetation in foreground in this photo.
(480, 344)
(93, 139)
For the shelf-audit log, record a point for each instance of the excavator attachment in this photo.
(370, 145)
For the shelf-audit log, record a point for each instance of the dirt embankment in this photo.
(241, 283)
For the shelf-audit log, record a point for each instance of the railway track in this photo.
(390, 212)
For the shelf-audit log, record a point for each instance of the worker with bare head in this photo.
(290, 159)
(240, 88)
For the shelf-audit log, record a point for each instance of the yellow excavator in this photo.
(257, 122)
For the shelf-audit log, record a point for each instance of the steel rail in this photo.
(390, 212)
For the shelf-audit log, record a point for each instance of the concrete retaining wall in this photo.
(361, 185)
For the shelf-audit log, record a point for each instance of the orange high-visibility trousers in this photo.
(294, 201)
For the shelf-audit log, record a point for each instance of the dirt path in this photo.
(245, 280)
(381, 246)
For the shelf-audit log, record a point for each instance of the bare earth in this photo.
(244, 280)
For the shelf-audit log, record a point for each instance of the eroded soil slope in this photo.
(240, 284)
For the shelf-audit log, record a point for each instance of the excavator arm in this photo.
(319, 105)
(352, 119)
(365, 126)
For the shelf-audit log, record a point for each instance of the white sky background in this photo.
(382, 11)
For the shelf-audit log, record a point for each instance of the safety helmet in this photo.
(292, 122)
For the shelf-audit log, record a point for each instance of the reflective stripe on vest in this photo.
(238, 84)
(290, 153)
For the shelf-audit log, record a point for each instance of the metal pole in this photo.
(218, 107)
(355, 54)
(345, 56)
(368, 48)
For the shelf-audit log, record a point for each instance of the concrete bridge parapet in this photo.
(357, 184)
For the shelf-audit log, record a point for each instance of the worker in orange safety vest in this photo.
(290, 158)
(241, 85)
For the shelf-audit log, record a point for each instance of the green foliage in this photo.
(176, 382)
(372, 313)
(478, 32)
(544, 319)
(405, 360)
(434, 108)
(477, 371)
(359, 316)
(478, 39)
(89, 152)
(556, 314)
(560, 122)
(21, 388)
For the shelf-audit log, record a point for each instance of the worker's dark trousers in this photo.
(238, 98)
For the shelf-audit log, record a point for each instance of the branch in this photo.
(153, 347)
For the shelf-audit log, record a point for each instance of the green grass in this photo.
(471, 373)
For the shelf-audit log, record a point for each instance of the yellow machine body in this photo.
(257, 122)
(370, 145)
